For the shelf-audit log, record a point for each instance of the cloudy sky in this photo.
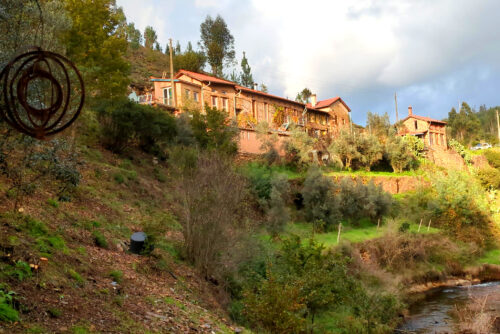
(433, 53)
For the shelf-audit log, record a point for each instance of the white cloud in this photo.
(363, 50)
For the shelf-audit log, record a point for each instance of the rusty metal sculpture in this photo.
(42, 93)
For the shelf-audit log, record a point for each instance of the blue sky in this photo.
(433, 53)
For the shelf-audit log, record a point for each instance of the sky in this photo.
(433, 53)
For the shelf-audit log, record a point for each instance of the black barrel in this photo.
(137, 242)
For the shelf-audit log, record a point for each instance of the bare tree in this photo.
(210, 207)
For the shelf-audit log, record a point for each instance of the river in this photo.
(433, 314)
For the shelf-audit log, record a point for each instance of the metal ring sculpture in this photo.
(37, 96)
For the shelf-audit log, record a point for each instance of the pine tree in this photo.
(177, 49)
(150, 37)
(158, 47)
(246, 74)
(217, 43)
(263, 88)
(189, 47)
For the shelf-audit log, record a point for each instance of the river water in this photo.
(434, 314)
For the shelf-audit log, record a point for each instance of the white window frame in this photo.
(225, 103)
(168, 98)
(214, 105)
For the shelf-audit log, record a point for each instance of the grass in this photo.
(491, 257)
(365, 231)
(253, 168)
(373, 173)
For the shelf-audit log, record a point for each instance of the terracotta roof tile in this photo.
(423, 118)
(328, 102)
(204, 77)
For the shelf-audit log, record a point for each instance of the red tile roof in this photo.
(204, 77)
(210, 78)
(246, 89)
(328, 102)
(422, 118)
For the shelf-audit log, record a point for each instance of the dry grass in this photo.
(473, 317)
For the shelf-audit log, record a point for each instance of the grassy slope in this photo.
(365, 231)
(72, 292)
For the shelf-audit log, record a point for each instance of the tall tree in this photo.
(234, 77)
(378, 125)
(189, 47)
(263, 88)
(178, 48)
(158, 47)
(304, 95)
(464, 125)
(246, 73)
(217, 43)
(94, 44)
(150, 37)
(190, 60)
(134, 36)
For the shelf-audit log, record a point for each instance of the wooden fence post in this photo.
(338, 236)
(420, 225)
(378, 224)
(429, 226)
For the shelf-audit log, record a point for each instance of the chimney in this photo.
(255, 86)
(410, 111)
(313, 100)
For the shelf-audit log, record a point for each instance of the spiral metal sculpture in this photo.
(42, 93)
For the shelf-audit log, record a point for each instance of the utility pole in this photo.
(172, 84)
(396, 103)
(498, 126)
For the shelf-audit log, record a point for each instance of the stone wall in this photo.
(391, 184)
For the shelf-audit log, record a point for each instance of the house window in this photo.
(343, 121)
(431, 135)
(195, 96)
(266, 111)
(167, 96)
(225, 105)
(224, 92)
(416, 125)
(214, 101)
(187, 92)
(253, 108)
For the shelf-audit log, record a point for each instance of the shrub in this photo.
(125, 123)
(210, 210)
(7, 311)
(320, 198)
(345, 147)
(298, 148)
(74, 275)
(400, 154)
(489, 177)
(302, 282)
(20, 271)
(100, 240)
(357, 200)
(460, 149)
(493, 157)
(116, 275)
(54, 312)
(277, 212)
(53, 202)
(212, 130)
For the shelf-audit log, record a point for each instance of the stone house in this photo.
(249, 107)
(431, 131)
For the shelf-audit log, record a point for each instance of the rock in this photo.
(207, 326)
(238, 330)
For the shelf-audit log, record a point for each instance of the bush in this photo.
(320, 198)
(125, 123)
(399, 152)
(460, 149)
(489, 177)
(362, 201)
(493, 157)
(7, 311)
(277, 212)
(211, 211)
(100, 240)
(116, 275)
(302, 282)
(213, 131)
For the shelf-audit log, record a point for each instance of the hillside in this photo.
(85, 281)
(144, 63)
